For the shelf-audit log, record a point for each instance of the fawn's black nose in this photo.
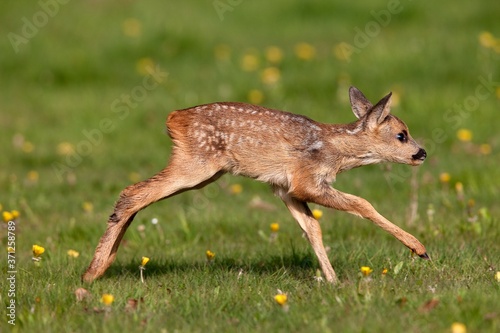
(420, 155)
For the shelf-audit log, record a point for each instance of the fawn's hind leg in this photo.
(177, 177)
(311, 227)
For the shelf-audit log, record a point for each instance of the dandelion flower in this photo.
(270, 75)
(144, 261)
(88, 207)
(73, 253)
(38, 250)
(274, 54)
(255, 96)
(132, 27)
(343, 51)
(32, 176)
(464, 135)
(65, 148)
(444, 177)
(365, 270)
(210, 255)
(487, 39)
(222, 52)
(250, 62)
(458, 328)
(7, 216)
(144, 66)
(236, 189)
(134, 177)
(27, 147)
(497, 276)
(275, 227)
(305, 51)
(107, 299)
(384, 271)
(281, 299)
(317, 213)
(485, 149)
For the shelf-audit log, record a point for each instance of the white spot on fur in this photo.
(316, 145)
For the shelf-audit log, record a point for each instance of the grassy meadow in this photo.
(85, 88)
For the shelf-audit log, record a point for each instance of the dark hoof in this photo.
(425, 256)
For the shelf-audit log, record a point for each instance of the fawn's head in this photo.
(387, 137)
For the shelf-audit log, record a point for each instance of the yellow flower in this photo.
(464, 135)
(222, 52)
(485, 149)
(210, 255)
(270, 75)
(10, 249)
(366, 270)
(15, 213)
(88, 207)
(497, 276)
(107, 299)
(144, 261)
(28, 147)
(73, 253)
(487, 39)
(250, 62)
(275, 227)
(395, 99)
(236, 189)
(132, 27)
(7, 216)
(459, 187)
(144, 66)
(134, 177)
(281, 299)
(458, 328)
(305, 51)
(317, 213)
(274, 54)
(255, 96)
(444, 177)
(37, 250)
(32, 176)
(384, 271)
(343, 51)
(65, 148)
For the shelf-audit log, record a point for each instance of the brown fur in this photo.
(297, 156)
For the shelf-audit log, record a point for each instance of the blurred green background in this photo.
(85, 88)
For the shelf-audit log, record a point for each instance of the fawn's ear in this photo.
(380, 111)
(359, 104)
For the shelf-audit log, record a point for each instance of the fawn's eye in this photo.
(403, 136)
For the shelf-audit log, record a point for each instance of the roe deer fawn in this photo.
(297, 156)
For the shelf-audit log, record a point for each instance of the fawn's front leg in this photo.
(311, 227)
(327, 196)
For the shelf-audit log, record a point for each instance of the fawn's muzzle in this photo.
(420, 155)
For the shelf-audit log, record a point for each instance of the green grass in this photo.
(65, 80)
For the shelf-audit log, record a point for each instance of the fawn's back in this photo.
(246, 139)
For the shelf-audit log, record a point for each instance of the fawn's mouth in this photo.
(420, 155)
